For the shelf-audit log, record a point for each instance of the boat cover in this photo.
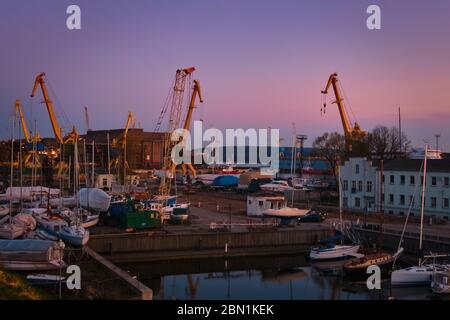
(13, 193)
(94, 199)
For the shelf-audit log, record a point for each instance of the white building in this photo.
(256, 205)
(402, 186)
(360, 185)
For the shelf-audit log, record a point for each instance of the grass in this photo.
(15, 287)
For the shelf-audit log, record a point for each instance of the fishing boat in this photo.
(141, 215)
(440, 282)
(30, 255)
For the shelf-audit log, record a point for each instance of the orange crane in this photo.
(31, 140)
(352, 134)
(72, 137)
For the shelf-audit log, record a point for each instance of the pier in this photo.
(148, 246)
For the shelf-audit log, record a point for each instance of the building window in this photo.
(391, 212)
(391, 179)
(433, 202)
(345, 202)
(402, 180)
(360, 187)
(357, 169)
(412, 180)
(260, 203)
(391, 198)
(105, 182)
(446, 181)
(421, 180)
(433, 181)
(353, 186)
(446, 203)
(357, 202)
(345, 185)
(369, 186)
(402, 199)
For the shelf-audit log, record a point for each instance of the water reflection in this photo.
(262, 278)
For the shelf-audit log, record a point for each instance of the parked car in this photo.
(313, 216)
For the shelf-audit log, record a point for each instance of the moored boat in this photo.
(358, 267)
(440, 282)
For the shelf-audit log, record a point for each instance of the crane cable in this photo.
(164, 108)
(348, 102)
(59, 107)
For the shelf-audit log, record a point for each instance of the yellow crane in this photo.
(72, 137)
(30, 140)
(187, 125)
(352, 134)
(120, 142)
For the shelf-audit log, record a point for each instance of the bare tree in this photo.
(331, 148)
(385, 143)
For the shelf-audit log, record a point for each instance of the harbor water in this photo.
(277, 278)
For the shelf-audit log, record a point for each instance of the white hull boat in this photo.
(279, 186)
(335, 252)
(416, 275)
(286, 212)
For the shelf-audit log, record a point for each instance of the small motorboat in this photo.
(415, 275)
(45, 279)
(440, 282)
(276, 186)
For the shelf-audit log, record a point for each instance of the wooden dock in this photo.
(145, 293)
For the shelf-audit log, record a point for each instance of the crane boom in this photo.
(332, 81)
(22, 120)
(40, 82)
(352, 134)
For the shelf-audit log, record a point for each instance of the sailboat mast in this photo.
(424, 182)
(93, 165)
(340, 199)
(12, 167)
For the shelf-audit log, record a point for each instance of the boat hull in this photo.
(412, 276)
(337, 252)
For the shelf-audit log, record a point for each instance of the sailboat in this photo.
(56, 226)
(422, 273)
(328, 249)
(10, 229)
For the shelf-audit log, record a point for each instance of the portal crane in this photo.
(70, 138)
(352, 134)
(187, 125)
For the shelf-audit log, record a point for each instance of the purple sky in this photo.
(261, 63)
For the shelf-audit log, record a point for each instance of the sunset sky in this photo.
(261, 63)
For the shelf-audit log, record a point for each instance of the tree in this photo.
(331, 148)
(384, 143)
